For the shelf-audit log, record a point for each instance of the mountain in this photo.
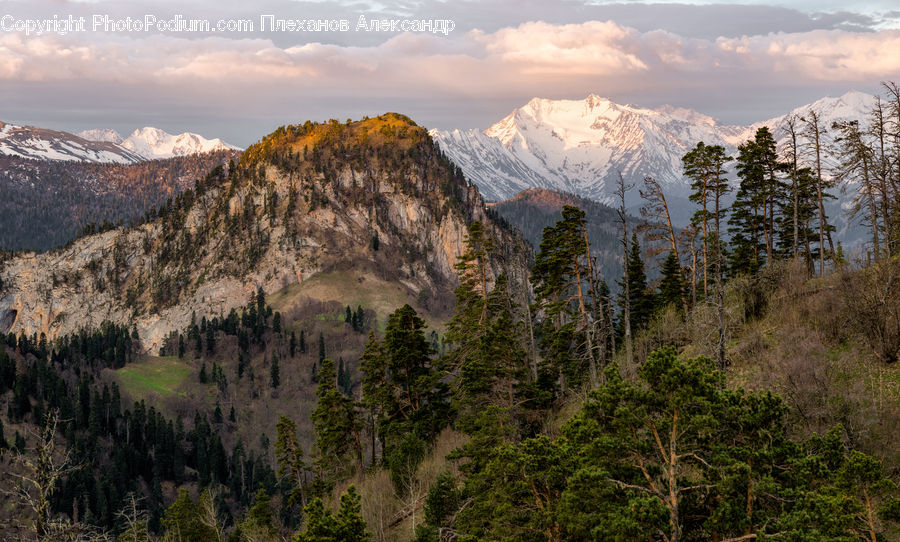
(338, 212)
(44, 144)
(102, 145)
(152, 143)
(580, 146)
(46, 202)
(101, 134)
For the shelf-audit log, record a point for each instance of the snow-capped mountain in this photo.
(44, 144)
(154, 143)
(101, 134)
(580, 146)
(102, 144)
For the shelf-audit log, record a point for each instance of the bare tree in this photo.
(658, 221)
(620, 192)
(815, 134)
(209, 516)
(882, 170)
(791, 126)
(855, 158)
(42, 469)
(133, 520)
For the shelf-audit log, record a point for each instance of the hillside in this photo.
(49, 201)
(374, 196)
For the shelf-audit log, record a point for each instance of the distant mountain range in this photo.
(580, 146)
(102, 145)
(152, 143)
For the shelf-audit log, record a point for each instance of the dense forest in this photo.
(48, 203)
(750, 393)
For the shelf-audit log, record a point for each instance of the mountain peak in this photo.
(151, 143)
(580, 146)
(101, 135)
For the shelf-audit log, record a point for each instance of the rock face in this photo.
(374, 196)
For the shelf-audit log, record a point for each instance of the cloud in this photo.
(457, 79)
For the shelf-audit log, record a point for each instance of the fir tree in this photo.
(335, 425)
(276, 323)
(671, 287)
(323, 526)
(642, 299)
(274, 372)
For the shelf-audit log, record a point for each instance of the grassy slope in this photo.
(162, 376)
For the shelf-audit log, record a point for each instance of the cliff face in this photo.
(374, 197)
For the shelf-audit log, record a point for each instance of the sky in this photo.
(737, 61)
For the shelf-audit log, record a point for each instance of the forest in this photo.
(751, 392)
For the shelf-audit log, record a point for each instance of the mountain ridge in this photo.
(102, 145)
(579, 146)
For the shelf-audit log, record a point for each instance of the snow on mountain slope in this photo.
(580, 146)
(102, 144)
(154, 143)
(44, 144)
(101, 134)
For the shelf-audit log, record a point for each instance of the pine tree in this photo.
(293, 343)
(276, 323)
(401, 382)
(260, 522)
(359, 319)
(323, 526)
(759, 198)
(321, 348)
(704, 164)
(182, 520)
(274, 372)
(289, 456)
(565, 290)
(335, 424)
(642, 299)
(671, 287)
(376, 393)
(302, 342)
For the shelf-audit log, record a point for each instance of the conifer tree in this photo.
(323, 526)
(289, 456)
(704, 165)
(759, 197)
(642, 299)
(566, 292)
(402, 383)
(259, 523)
(275, 372)
(336, 426)
(671, 287)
